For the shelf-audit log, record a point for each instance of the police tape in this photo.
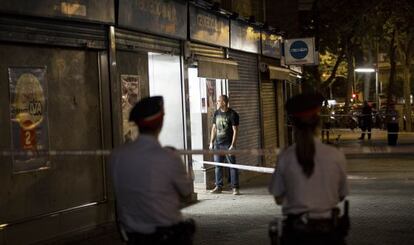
(240, 166)
(373, 132)
(347, 150)
(31, 153)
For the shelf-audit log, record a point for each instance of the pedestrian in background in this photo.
(309, 180)
(326, 121)
(366, 120)
(223, 137)
(150, 182)
(392, 124)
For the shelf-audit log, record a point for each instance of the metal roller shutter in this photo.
(133, 41)
(269, 118)
(207, 51)
(53, 32)
(244, 98)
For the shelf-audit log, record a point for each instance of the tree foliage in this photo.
(353, 32)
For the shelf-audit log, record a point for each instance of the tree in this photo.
(341, 30)
(399, 34)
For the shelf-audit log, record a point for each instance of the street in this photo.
(381, 202)
(381, 207)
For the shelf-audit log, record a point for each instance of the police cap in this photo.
(303, 105)
(147, 111)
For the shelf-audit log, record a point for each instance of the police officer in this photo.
(309, 179)
(150, 182)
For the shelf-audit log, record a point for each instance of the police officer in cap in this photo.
(150, 182)
(309, 180)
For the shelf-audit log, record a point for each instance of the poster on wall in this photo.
(211, 100)
(130, 96)
(29, 118)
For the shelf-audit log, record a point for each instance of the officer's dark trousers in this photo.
(180, 234)
(315, 232)
(234, 174)
(299, 239)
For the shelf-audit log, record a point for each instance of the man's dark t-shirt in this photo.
(224, 122)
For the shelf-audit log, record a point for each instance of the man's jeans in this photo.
(234, 174)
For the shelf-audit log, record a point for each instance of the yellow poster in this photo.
(29, 118)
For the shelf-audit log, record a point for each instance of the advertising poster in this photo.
(130, 96)
(29, 118)
(211, 100)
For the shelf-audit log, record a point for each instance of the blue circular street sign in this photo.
(299, 49)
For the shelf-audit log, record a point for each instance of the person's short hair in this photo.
(148, 114)
(225, 98)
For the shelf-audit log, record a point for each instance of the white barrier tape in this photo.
(239, 166)
(360, 131)
(254, 152)
(406, 149)
(57, 153)
(358, 115)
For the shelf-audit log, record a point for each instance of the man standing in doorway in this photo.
(223, 137)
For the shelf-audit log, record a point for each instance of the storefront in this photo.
(291, 88)
(54, 90)
(208, 73)
(272, 78)
(149, 63)
(244, 93)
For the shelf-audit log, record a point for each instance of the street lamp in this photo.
(371, 70)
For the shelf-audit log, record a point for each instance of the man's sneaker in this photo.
(216, 190)
(236, 191)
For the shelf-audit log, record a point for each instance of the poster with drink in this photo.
(29, 118)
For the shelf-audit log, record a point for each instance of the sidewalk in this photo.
(381, 209)
(382, 191)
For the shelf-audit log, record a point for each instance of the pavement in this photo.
(381, 204)
(381, 209)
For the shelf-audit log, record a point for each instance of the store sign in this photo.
(167, 18)
(245, 37)
(271, 45)
(209, 28)
(300, 51)
(29, 118)
(92, 10)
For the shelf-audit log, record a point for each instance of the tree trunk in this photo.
(407, 83)
(393, 65)
(328, 82)
(350, 76)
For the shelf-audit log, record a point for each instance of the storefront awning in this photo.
(279, 73)
(217, 68)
